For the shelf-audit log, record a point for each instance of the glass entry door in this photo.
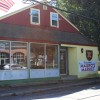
(63, 61)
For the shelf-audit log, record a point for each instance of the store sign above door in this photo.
(87, 66)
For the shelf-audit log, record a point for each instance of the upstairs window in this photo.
(35, 16)
(54, 19)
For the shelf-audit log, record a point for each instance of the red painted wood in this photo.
(23, 18)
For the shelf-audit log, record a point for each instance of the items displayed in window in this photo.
(4, 54)
(43, 56)
(14, 55)
(37, 56)
(14, 58)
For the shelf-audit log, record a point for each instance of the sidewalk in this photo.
(35, 88)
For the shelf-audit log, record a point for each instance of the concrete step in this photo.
(68, 77)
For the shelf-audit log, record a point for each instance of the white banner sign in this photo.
(87, 66)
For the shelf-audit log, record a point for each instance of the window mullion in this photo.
(45, 55)
(10, 55)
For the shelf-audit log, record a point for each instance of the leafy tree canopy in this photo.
(89, 24)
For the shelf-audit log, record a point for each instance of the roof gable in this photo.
(22, 17)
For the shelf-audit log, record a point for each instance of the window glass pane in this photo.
(4, 54)
(35, 12)
(35, 16)
(37, 56)
(54, 19)
(51, 56)
(35, 19)
(54, 22)
(19, 55)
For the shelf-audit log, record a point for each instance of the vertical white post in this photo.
(10, 55)
(28, 59)
(45, 58)
(59, 59)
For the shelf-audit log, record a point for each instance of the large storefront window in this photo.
(18, 55)
(13, 55)
(52, 56)
(43, 56)
(37, 56)
(4, 54)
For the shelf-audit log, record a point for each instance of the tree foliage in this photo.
(85, 14)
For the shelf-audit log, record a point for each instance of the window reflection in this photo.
(43, 56)
(4, 54)
(19, 55)
(37, 56)
(52, 56)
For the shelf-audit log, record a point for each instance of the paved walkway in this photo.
(35, 88)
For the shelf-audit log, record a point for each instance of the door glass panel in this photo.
(62, 62)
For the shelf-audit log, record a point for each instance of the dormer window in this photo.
(54, 19)
(35, 16)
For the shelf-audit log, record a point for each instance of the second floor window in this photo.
(54, 19)
(35, 16)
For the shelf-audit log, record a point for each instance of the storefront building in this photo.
(38, 43)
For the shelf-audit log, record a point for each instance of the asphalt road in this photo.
(86, 92)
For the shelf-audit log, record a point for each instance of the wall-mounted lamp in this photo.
(82, 50)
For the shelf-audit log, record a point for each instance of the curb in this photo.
(48, 88)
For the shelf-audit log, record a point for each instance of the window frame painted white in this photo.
(51, 24)
(31, 21)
